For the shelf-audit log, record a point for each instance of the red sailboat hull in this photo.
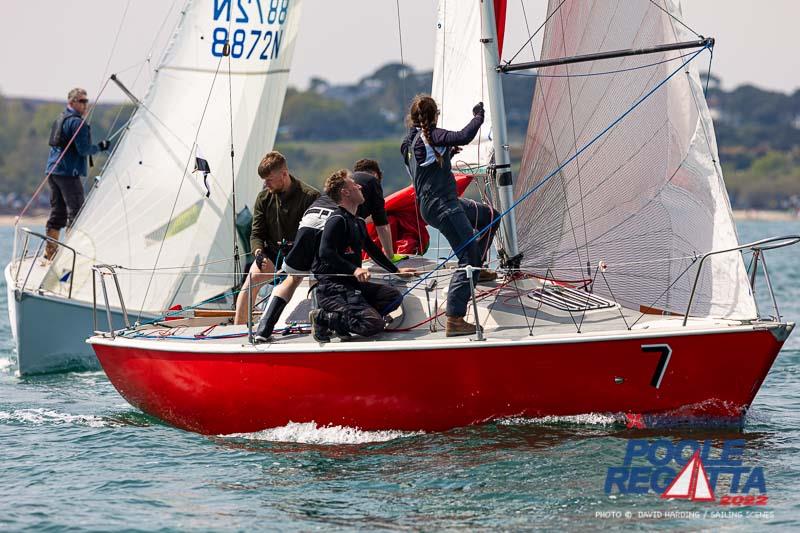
(710, 374)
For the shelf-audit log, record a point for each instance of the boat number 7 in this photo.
(663, 361)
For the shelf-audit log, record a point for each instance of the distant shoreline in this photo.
(738, 214)
(765, 215)
(36, 220)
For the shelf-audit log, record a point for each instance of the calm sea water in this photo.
(73, 454)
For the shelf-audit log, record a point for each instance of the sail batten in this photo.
(649, 193)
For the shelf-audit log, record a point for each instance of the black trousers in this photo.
(66, 200)
(359, 308)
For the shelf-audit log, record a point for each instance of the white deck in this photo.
(500, 313)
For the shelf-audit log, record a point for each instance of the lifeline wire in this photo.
(554, 172)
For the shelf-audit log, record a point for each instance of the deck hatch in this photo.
(569, 299)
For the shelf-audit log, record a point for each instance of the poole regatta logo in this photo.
(688, 469)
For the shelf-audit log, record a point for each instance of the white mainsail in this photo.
(648, 196)
(149, 209)
(459, 78)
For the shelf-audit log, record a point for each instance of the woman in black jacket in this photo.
(427, 151)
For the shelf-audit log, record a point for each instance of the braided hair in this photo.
(422, 114)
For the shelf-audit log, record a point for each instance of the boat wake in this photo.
(311, 433)
(6, 363)
(39, 417)
(589, 419)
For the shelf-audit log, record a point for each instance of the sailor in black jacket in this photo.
(300, 258)
(349, 302)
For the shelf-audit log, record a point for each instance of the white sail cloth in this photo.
(148, 209)
(459, 77)
(648, 196)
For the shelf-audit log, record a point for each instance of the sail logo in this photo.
(690, 470)
(691, 483)
(244, 32)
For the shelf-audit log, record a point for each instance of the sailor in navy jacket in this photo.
(70, 146)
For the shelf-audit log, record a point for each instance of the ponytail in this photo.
(422, 114)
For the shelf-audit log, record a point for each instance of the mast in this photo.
(502, 155)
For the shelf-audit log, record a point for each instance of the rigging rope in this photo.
(577, 164)
(63, 153)
(403, 74)
(237, 267)
(675, 18)
(536, 32)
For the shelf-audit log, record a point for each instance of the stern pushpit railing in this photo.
(42, 240)
(102, 271)
(758, 248)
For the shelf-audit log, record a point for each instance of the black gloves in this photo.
(260, 257)
(104, 145)
(478, 109)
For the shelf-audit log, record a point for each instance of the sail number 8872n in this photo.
(249, 43)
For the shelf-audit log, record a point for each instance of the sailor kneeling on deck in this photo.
(349, 302)
(300, 258)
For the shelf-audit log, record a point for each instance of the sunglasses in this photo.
(83, 101)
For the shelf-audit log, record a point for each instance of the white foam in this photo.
(6, 363)
(592, 419)
(311, 433)
(46, 416)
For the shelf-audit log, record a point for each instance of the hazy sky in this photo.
(49, 46)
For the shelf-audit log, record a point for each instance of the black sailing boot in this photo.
(337, 323)
(269, 318)
(320, 325)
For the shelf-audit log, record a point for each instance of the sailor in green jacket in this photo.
(276, 217)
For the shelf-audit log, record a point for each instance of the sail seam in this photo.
(232, 73)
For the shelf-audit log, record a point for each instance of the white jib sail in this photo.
(149, 210)
(648, 197)
(459, 79)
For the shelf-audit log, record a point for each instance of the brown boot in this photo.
(50, 248)
(486, 274)
(457, 326)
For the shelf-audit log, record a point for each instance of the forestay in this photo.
(147, 193)
(459, 79)
(648, 196)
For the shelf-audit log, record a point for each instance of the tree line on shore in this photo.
(328, 126)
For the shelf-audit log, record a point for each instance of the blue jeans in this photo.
(451, 220)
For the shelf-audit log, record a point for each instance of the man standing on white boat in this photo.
(368, 175)
(276, 217)
(348, 301)
(70, 146)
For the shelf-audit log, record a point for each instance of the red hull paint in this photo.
(711, 374)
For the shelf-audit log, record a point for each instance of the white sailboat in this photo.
(624, 290)
(148, 212)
